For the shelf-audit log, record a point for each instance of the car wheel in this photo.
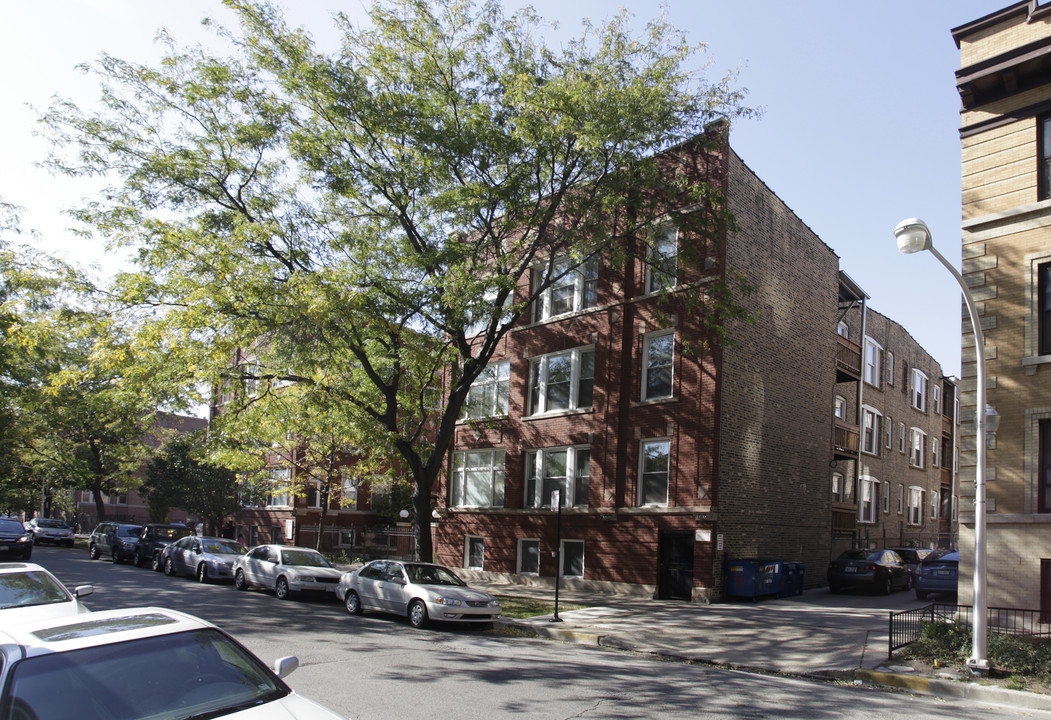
(202, 573)
(921, 595)
(115, 556)
(28, 553)
(155, 563)
(282, 590)
(908, 582)
(93, 552)
(169, 567)
(417, 614)
(136, 559)
(240, 581)
(352, 602)
(886, 586)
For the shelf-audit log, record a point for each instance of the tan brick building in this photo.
(1005, 87)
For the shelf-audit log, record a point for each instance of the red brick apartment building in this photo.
(671, 459)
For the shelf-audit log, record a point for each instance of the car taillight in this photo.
(869, 567)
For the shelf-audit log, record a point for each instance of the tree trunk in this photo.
(100, 505)
(421, 503)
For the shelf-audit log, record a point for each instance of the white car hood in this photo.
(460, 593)
(292, 707)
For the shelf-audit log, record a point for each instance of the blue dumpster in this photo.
(792, 579)
(752, 578)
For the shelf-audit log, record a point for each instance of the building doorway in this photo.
(675, 572)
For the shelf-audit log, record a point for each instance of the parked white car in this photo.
(205, 558)
(29, 592)
(141, 663)
(286, 570)
(419, 591)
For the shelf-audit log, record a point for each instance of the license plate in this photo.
(943, 572)
(850, 568)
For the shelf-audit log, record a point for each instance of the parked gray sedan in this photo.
(286, 570)
(206, 558)
(419, 591)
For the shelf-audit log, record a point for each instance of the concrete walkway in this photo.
(816, 634)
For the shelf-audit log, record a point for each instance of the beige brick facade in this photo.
(1006, 236)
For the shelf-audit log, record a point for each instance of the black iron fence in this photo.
(906, 626)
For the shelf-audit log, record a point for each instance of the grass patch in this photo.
(1024, 657)
(518, 607)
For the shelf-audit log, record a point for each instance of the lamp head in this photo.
(913, 236)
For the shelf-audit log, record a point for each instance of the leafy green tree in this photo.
(367, 221)
(180, 476)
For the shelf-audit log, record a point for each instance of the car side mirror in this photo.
(83, 590)
(283, 667)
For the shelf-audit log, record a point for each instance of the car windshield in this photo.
(200, 673)
(431, 575)
(306, 558)
(946, 555)
(860, 555)
(20, 589)
(164, 533)
(219, 547)
(129, 531)
(51, 523)
(11, 526)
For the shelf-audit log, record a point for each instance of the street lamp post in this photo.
(913, 236)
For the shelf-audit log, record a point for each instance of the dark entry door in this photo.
(676, 565)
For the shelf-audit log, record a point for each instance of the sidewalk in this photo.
(817, 635)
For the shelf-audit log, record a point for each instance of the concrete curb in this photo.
(919, 684)
(942, 688)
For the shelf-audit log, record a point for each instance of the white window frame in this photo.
(873, 363)
(888, 432)
(917, 448)
(662, 265)
(936, 399)
(467, 552)
(576, 480)
(349, 493)
(839, 407)
(886, 498)
(935, 448)
(313, 495)
(521, 555)
(489, 461)
(581, 282)
(562, 558)
(868, 499)
(538, 380)
(901, 438)
(647, 344)
(843, 330)
(935, 501)
(890, 367)
(901, 499)
(871, 434)
(918, 389)
(916, 506)
(490, 392)
(279, 487)
(643, 444)
(838, 487)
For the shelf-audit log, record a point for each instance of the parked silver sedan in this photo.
(420, 591)
(205, 558)
(285, 569)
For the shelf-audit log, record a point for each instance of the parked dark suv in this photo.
(115, 539)
(153, 539)
(15, 540)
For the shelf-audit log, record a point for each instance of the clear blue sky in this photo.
(858, 131)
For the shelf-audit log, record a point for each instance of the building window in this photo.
(839, 407)
(349, 493)
(566, 470)
(901, 498)
(886, 498)
(934, 507)
(901, 438)
(661, 260)
(562, 381)
(489, 392)
(654, 466)
(314, 495)
(1044, 171)
(1044, 482)
(870, 430)
(935, 447)
(478, 478)
(843, 330)
(918, 390)
(917, 448)
(1043, 302)
(936, 399)
(276, 534)
(915, 516)
(278, 490)
(888, 433)
(658, 362)
(474, 552)
(873, 363)
(868, 487)
(572, 289)
(573, 558)
(529, 557)
(837, 487)
(890, 368)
